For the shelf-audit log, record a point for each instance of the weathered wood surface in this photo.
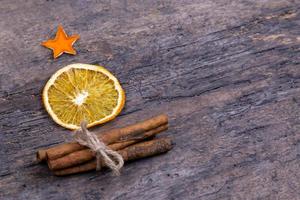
(226, 72)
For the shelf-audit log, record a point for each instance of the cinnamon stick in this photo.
(82, 156)
(108, 137)
(144, 136)
(133, 152)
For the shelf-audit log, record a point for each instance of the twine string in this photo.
(104, 155)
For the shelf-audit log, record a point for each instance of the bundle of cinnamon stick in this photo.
(132, 142)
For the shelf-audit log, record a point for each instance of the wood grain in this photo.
(226, 72)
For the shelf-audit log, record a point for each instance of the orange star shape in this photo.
(62, 43)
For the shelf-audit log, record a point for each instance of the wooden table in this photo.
(226, 72)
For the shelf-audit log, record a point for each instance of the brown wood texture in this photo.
(227, 72)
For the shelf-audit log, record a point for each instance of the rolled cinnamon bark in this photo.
(133, 152)
(108, 137)
(82, 156)
(145, 136)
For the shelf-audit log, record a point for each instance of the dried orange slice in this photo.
(80, 92)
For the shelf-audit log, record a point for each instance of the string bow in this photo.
(104, 155)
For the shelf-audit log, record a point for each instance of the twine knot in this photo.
(104, 155)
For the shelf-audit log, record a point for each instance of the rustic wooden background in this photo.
(227, 72)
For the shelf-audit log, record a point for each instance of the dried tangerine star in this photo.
(62, 43)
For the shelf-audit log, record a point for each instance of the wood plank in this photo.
(226, 72)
